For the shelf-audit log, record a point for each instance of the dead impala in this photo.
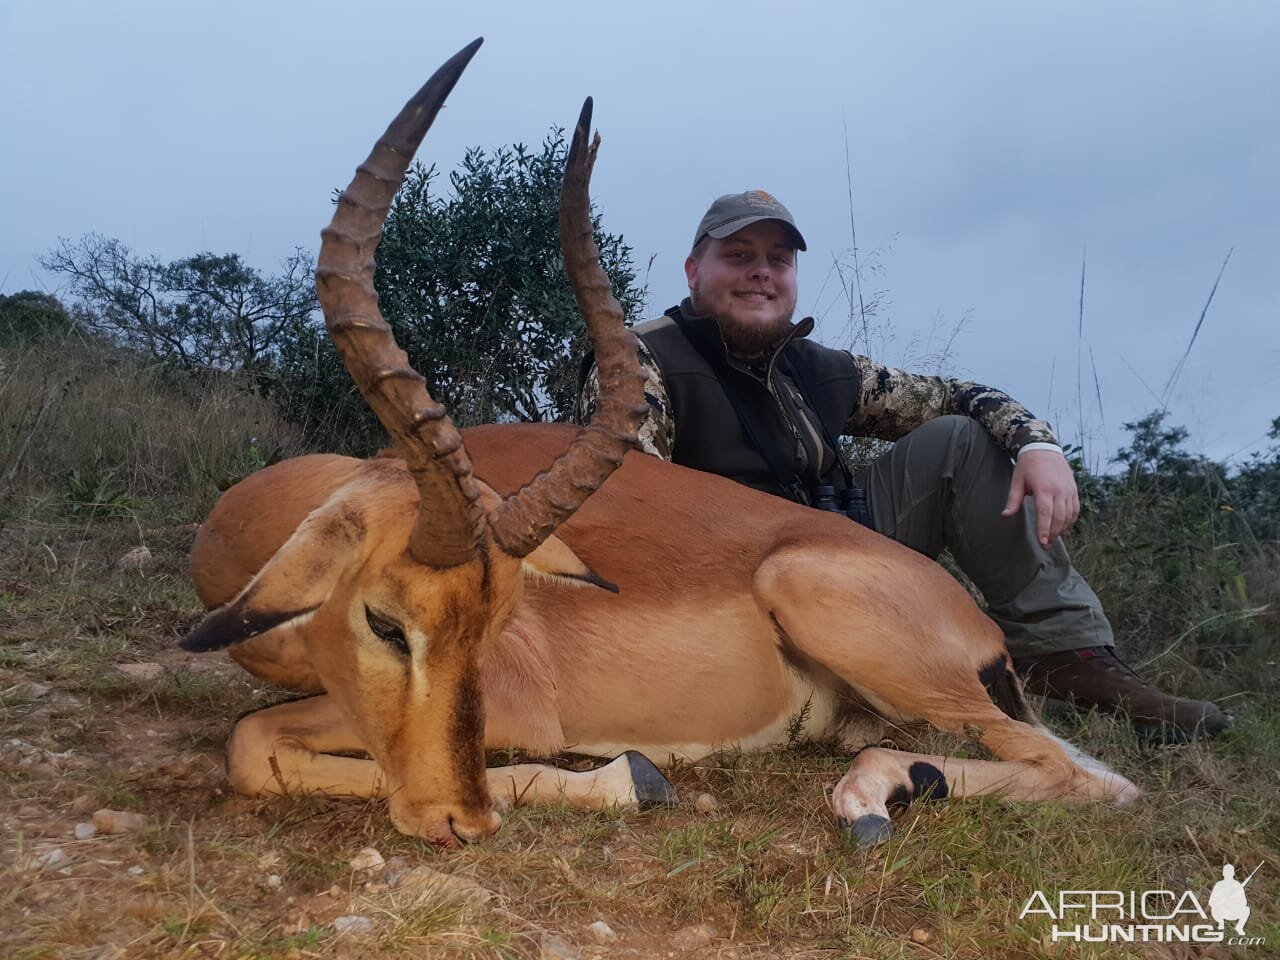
(436, 609)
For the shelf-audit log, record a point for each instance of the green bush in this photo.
(1180, 570)
(30, 317)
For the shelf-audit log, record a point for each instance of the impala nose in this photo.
(469, 829)
(443, 824)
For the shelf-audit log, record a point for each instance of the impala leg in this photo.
(289, 748)
(880, 780)
(626, 781)
(939, 660)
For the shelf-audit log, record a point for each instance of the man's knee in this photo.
(957, 446)
(953, 432)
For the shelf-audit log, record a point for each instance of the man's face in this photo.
(747, 281)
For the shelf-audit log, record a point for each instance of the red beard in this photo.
(752, 340)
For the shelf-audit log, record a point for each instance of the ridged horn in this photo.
(528, 517)
(449, 521)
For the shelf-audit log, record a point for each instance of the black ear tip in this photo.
(584, 118)
(211, 634)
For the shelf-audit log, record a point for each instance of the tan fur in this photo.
(736, 611)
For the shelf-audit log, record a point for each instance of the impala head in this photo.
(396, 586)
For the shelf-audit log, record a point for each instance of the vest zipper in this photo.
(801, 451)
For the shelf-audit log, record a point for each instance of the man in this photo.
(735, 388)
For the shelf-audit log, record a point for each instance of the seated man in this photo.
(735, 388)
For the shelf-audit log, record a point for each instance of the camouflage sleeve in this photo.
(658, 430)
(894, 402)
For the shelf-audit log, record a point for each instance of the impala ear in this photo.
(554, 560)
(295, 582)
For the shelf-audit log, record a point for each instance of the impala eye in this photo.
(387, 630)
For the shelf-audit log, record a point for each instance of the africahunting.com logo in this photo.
(1148, 916)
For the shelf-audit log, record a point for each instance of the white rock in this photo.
(118, 821)
(423, 879)
(142, 671)
(601, 932)
(55, 857)
(706, 803)
(353, 925)
(28, 754)
(368, 859)
(134, 559)
(274, 882)
(86, 831)
(136, 871)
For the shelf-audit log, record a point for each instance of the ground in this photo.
(100, 710)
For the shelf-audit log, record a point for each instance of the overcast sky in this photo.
(989, 145)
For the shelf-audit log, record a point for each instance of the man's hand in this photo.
(1045, 475)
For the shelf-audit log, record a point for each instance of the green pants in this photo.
(944, 485)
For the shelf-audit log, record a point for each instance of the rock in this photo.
(423, 880)
(32, 690)
(136, 871)
(86, 831)
(396, 869)
(553, 948)
(706, 804)
(368, 859)
(274, 882)
(28, 754)
(601, 932)
(921, 935)
(118, 821)
(693, 937)
(55, 857)
(142, 671)
(358, 926)
(135, 559)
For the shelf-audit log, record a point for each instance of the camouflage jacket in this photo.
(892, 403)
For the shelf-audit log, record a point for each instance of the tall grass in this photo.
(84, 421)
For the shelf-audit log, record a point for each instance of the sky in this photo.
(984, 152)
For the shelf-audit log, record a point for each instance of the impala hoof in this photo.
(868, 830)
(652, 788)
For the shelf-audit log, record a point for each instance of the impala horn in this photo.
(449, 526)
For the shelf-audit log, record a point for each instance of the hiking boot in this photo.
(1096, 677)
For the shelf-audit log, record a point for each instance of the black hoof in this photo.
(652, 788)
(869, 830)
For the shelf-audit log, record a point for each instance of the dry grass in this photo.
(105, 430)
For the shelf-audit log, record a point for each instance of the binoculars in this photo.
(852, 502)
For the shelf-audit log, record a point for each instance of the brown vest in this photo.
(797, 402)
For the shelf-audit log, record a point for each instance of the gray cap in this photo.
(733, 211)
